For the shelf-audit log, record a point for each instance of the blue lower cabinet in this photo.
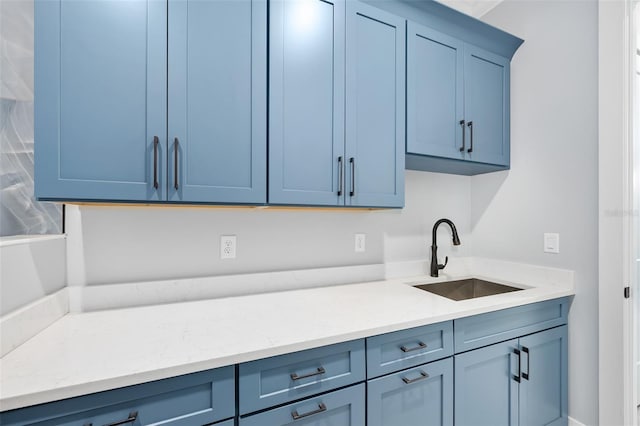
(521, 381)
(486, 390)
(272, 381)
(193, 399)
(345, 407)
(387, 353)
(543, 389)
(421, 396)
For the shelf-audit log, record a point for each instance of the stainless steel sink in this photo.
(466, 289)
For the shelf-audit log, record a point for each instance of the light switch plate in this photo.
(360, 241)
(551, 243)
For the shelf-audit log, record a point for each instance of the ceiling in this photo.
(475, 8)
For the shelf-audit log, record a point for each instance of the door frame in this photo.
(617, 400)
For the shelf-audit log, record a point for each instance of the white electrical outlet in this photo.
(551, 243)
(360, 243)
(227, 247)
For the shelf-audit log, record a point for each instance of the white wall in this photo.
(123, 244)
(30, 268)
(553, 182)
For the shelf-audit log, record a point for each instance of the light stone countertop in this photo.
(89, 352)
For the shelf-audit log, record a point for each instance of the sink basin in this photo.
(466, 289)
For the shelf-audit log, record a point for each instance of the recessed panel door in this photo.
(100, 109)
(217, 101)
(306, 102)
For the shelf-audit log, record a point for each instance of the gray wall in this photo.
(553, 183)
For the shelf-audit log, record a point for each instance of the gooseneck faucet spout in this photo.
(435, 266)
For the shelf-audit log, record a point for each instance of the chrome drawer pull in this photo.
(423, 376)
(320, 370)
(296, 416)
(133, 416)
(421, 345)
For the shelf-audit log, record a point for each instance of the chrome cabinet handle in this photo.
(353, 177)
(319, 371)
(423, 376)
(176, 144)
(421, 345)
(516, 377)
(470, 124)
(156, 141)
(526, 351)
(296, 416)
(463, 133)
(340, 176)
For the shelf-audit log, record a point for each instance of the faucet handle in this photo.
(446, 260)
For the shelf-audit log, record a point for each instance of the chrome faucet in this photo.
(435, 267)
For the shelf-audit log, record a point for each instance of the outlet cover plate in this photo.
(228, 246)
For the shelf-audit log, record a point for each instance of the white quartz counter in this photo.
(96, 351)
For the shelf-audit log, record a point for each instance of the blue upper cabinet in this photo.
(458, 97)
(435, 113)
(100, 103)
(108, 129)
(486, 106)
(217, 101)
(319, 152)
(306, 102)
(375, 107)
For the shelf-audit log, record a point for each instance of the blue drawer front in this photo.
(493, 327)
(426, 400)
(345, 407)
(272, 381)
(391, 352)
(193, 399)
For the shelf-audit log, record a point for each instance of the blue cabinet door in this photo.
(217, 101)
(421, 396)
(486, 100)
(100, 105)
(543, 390)
(345, 407)
(306, 102)
(435, 116)
(189, 400)
(375, 105)
(486, 388)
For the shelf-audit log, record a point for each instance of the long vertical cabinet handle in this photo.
(470, 124)
(156, 142)
(463, 133)
(340, 176)
(516, 377)
(526, 351)
(176, 145)
(353, 176)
